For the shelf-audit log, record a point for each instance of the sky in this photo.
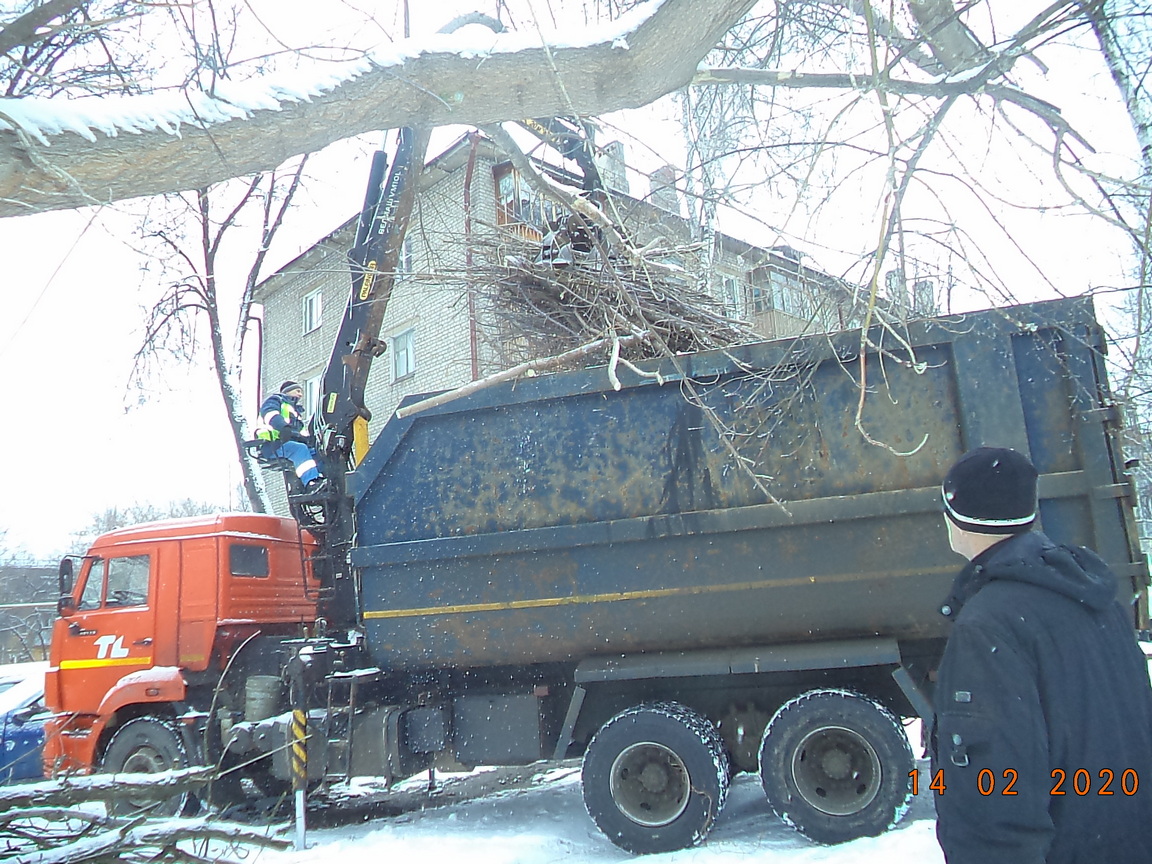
(78, 441)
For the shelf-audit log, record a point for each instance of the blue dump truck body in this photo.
(733, 562)
(557, 519)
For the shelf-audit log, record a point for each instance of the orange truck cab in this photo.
(150, 621)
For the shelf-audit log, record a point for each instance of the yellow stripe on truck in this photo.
(648, 594)
(574, 600)
(100, 664)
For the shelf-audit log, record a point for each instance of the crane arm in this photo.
(374, 260)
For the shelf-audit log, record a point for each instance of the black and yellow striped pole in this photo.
(300, 772)
(298, 743)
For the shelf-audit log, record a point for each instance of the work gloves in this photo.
(292, 435)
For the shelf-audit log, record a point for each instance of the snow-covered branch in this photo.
(100, 787)
(57, 154)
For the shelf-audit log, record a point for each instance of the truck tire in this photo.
(835, 765)
(148, 745)
(655, 778)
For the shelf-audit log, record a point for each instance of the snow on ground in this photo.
(546, 822)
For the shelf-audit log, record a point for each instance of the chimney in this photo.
(924, 297)
(895, 287)
(663, 184)
(612, 167)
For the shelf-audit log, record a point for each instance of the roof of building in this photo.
(455, 157)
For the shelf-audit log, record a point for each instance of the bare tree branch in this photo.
(952, 44)
(26, 29)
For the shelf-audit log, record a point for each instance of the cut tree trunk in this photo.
(431, 89)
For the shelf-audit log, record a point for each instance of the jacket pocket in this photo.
(961, 730)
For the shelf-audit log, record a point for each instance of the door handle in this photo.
(147, 641)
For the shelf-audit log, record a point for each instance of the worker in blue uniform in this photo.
(281, 428)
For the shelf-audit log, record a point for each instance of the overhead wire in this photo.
(48, 284)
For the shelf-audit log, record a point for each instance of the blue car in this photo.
(22, 716)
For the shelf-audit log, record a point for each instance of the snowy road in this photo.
(545, 822)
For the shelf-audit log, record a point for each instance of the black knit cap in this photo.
(289, 385)
(991, 490)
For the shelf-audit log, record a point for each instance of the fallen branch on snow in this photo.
(101, 787)
(39, 823)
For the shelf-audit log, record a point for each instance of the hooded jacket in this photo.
(1043, 728)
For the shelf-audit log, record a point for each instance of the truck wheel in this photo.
(148, 745)
(835, 765)
(655, 777)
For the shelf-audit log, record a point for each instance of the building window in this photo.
(761, 299)
(520, 207)
(311, 401)
(730, 294)
(312, 310)
(787, 295)
(402, 347)
(404, 264)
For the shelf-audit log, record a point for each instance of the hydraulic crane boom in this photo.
(572, 140)
(340, 426)
(374, 259)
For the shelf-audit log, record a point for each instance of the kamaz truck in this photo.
(734, 562)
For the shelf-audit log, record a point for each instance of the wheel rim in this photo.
(148, 757)
(146, 760)
(650, 784)
(836, 771)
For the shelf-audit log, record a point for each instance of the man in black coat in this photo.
(1042, 741)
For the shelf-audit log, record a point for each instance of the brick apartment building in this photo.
(440, 329)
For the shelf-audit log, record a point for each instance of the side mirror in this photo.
(19, 718)
(66, 580)
(66, 577)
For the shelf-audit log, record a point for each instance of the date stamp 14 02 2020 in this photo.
(1078, 782)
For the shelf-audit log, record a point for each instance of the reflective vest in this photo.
(286, 410)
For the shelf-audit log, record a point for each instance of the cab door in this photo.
(112, 630)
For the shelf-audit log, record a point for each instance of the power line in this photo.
(40, 296)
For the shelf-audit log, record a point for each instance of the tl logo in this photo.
(110, 646)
